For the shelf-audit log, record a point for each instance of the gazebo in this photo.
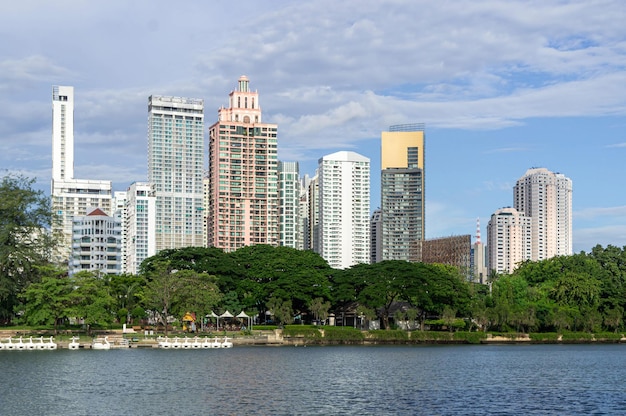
(243, 315)
(224, 315)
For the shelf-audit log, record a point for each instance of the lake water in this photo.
(338, 380)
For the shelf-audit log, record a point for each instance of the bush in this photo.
(301, 331)
(388, 335)
(608, 336)
(544, 336)
(470, 337)
(577, 336)
(342, 334)
(430, 336)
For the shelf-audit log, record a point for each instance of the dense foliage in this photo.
(582, 292)
(25, 245)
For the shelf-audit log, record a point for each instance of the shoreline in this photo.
(276, 338)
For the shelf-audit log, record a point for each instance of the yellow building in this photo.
(402, 192)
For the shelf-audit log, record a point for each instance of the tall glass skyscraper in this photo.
(175, 168)
(402, 192)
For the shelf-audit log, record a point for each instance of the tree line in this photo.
(582, 292)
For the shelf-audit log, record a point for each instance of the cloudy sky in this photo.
(502, 86)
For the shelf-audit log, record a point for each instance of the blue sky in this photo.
(502, 86)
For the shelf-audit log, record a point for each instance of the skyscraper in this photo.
(344, 209)
(509, 236)
(375, 237)
(289, 224)
(546, 197)
(175, 168)
(243, 174)
(139, 225)
(402, 192)
(70, 197)
(62, 133)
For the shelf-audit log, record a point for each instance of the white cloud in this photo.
(599, 212)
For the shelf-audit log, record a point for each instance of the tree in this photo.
(281, 310)
(161, 290)
(47, 302)
(91, 299)
(127, 290)
(282, 273)
(319, 308)
(613, 318)
(25, 240)
(198, 292)
(381, 284)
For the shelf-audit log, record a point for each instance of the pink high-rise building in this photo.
(243, 174)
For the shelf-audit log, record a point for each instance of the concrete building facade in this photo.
(289, 193)
(546, 197)
(96, 243)
(175, 167)
(139, 222)
(509, 236)
(70, 197)
(243, 174)
(402, 191)
(344, 209)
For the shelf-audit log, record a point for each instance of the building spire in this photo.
(478, 230)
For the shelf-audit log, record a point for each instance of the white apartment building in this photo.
(175, 167)
(547, 198)
(344, 209)
(96, 243)
(509, 236)
(70, 197)
(138, 226)
(289, 224)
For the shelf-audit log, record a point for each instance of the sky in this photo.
(501, 86)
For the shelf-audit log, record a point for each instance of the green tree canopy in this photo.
(47, 302)
(25, 240)
(282, 273)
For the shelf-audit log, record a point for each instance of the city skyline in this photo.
(501, 88)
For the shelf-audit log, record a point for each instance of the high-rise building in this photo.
(96, 243)
(313, 192)
(546, 197)
(243, 174)
(304, 214)
(138, 226)
(175, 168)
(509, 236)
(62, 133)
(289, 224)
(70, 197)
(344, 209)
(376, 239)
(402, 192)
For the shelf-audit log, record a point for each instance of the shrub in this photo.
(388, 335)
(544, 336)
(342, 334)
(301, 331)
(470, 337)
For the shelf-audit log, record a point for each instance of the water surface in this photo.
(338, 380)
